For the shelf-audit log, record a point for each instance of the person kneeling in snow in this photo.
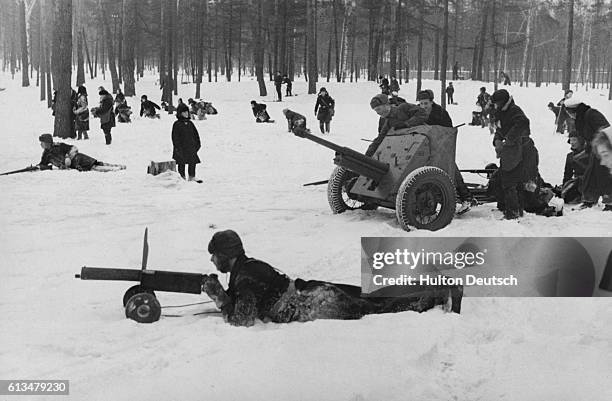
(296, 122)
(65, 156)
(260, 113)
(256, 290)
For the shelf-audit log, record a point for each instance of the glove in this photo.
(213, 288)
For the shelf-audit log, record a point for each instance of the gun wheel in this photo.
(143, 308)
(426, 199)
(133, 290)
(340, 183)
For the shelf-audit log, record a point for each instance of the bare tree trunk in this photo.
(495, 72)
(482, 40)
(444, 56)
(528, 44)
(436, 43)
(25, 81)
(62, 68)
(585, 24)
(567, 71)
(199, 26)
(313, 71)
(420, 52)
(89, 63)
(103, 6)
(257, 25)
(129, 34)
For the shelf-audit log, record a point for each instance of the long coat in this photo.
(82, 114)
(324, 108)
(186, 142)
(105, 111)
(517, 149)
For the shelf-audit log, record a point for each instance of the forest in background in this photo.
(536, 42)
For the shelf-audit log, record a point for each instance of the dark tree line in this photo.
(534, 41)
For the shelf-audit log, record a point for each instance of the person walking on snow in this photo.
(324, 110)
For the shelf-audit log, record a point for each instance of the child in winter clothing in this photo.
(325, 106)
(185, 142)
(81, 113)
(296, 122)
(260, 113)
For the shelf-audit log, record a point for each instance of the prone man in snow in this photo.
(64, 156)
(257, 290)
(260, 113)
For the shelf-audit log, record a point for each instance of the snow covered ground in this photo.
(54, 222)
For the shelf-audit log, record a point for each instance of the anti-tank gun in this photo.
(410, 172)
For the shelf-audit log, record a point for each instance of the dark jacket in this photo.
(258, 108)
(588, 121)
(185, 141)
(278, 80)
(513, 130)
(325, 105)
(295, 121)
(105, 111)
(450, 90)
(439, 116)
(575, 165)
(254, 287)
(57, 153)
(396, 100)
(147, 108)
(403, 116)
(394, 86)
(288, 82)
(483, 99)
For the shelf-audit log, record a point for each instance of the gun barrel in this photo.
(353, 160)
(101, 273)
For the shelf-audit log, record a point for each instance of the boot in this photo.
(108, 138)
(79, 136)
(85, 135)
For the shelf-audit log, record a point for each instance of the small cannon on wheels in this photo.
(410, 172)
(139, 301)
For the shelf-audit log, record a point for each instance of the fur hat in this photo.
(226, 243)
(182, 107)
(500, 96)
(572, 102)
(47, 138)
(426, 94)
(551, 104)
(322, 89)
(379, 100)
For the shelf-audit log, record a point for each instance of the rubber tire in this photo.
(143, 308)
(335, 189)
(133, 290)
(405, 203)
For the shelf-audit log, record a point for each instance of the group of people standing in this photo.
(279, 80)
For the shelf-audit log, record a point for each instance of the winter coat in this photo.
(147, 108)
(105, 111)
(483, 99)
(258, 291)
(278, 80)
(325, 106)
(588, 121)
(254, 286)
(576, 164)
(450, 90)
(396, 100)
(288, 82)
(394, 86)
(512, 137)
(185, 141)
(82, 114)
(258, 108)
(55, 155)
(439, 116)
(403, 116)
(295, 121)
